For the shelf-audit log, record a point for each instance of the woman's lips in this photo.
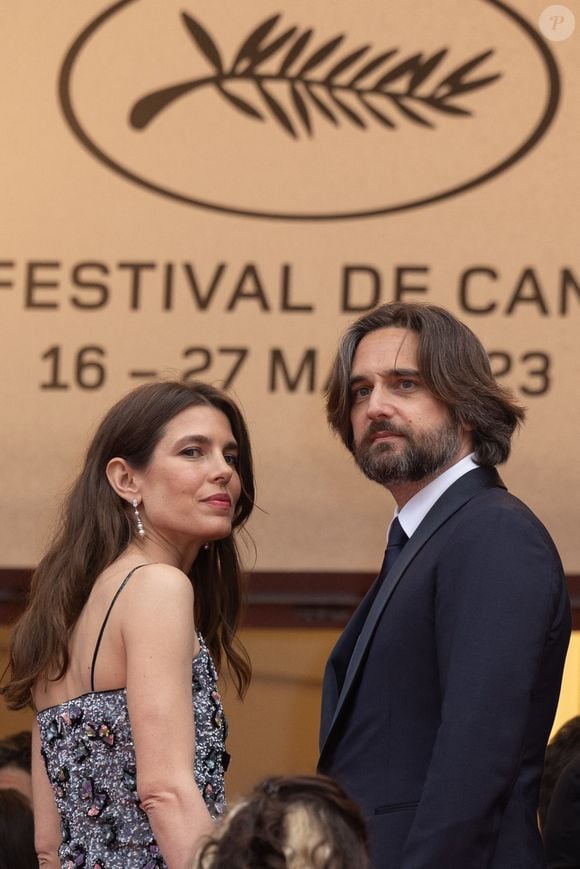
(223, 502)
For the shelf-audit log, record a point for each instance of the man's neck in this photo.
(404, 491)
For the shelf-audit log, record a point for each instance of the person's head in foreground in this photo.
(300, 822)
(15, 763)
(563, 748)
(16, 831)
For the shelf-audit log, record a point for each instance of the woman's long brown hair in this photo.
(95, 529)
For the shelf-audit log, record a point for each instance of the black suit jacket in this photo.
(439, 696)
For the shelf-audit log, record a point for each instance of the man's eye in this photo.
(407, 385)
(360, 392)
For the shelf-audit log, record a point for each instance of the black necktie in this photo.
(396, 541)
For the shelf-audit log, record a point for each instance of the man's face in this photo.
(401, 432)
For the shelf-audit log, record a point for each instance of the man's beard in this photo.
(422, 455)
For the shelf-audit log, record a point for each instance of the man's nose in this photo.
(380, 404)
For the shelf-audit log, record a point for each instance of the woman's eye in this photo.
(407, 385)
(231, 459)
(191, 452)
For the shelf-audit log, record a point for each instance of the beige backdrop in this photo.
(108, 269)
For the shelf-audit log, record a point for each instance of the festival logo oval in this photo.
(318, 112)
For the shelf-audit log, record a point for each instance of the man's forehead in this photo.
(387, 349)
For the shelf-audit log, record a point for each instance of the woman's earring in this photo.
(206, 546)
(138, 522)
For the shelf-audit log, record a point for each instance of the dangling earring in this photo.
(138, 523)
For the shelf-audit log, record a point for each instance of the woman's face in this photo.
(190, 488)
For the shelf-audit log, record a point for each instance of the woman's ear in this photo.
(122, 479)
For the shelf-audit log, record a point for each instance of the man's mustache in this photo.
(378, 426)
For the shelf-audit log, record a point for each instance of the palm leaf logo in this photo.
(357, 86)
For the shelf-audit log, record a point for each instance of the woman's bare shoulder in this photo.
(159, 580)
(160, 602)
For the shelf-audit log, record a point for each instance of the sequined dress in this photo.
(88, 750)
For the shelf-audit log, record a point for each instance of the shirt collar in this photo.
(417, 507)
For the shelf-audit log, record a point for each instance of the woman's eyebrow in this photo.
(199, 439)
(206, 441)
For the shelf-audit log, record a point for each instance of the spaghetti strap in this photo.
(106, 619)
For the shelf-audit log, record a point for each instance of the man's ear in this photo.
(122, 480)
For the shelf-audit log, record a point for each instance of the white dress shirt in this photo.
(417, 507)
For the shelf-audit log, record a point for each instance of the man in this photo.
(439, 696)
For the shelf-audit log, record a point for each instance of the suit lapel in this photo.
(340, 656)
(467, 487)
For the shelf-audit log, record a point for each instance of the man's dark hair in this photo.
(562, 749)
(455, 369)
(15, 750)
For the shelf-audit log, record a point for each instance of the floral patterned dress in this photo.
(89, 754)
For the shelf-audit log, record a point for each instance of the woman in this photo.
(141, 579)
(300, 822)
